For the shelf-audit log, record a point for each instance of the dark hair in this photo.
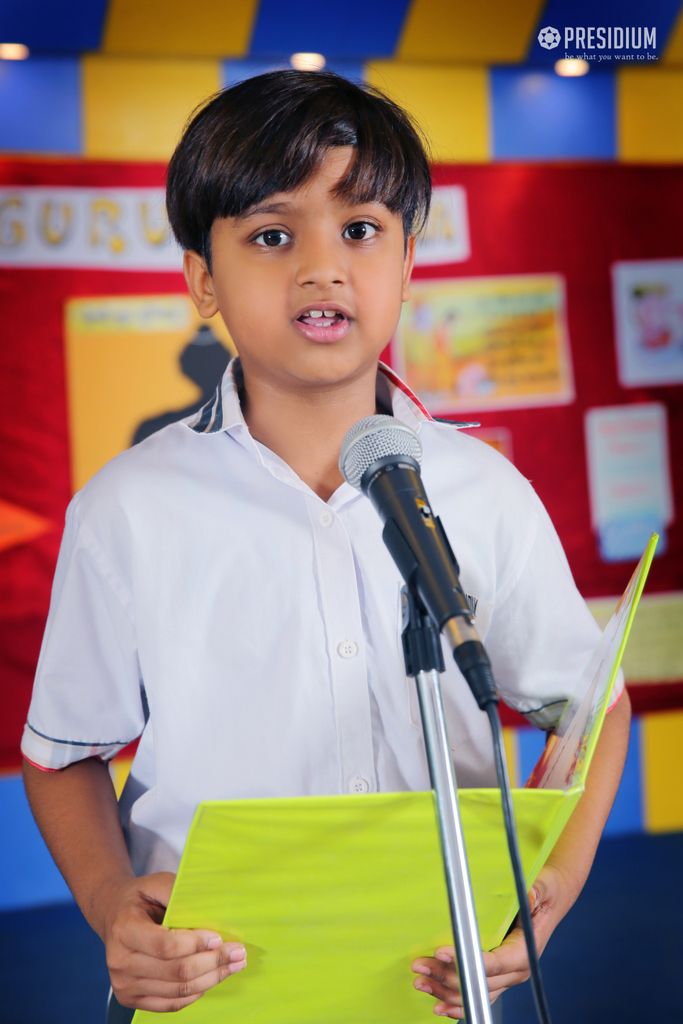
(270, 133)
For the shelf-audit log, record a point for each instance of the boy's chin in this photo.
(335, 368)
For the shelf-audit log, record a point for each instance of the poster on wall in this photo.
(135, 364)
(648, 317)
(629, 478)
(486, 343)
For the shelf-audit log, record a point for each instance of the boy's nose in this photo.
(320, 266)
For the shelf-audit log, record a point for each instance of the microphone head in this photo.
(373, 438)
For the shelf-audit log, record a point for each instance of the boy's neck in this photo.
(305, 426)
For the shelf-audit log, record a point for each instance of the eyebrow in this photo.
(262, 208)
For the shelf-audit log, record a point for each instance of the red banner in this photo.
(574, 221)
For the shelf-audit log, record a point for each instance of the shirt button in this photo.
(359, 785)
(347, 649)
(326, 518)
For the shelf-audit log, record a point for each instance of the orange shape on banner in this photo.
(17, 525)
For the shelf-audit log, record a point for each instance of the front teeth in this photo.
(315, 313)
(330, 312)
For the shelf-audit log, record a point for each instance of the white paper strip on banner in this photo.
(629, 478)
(127, 229)
(446, 238)
(104, 229)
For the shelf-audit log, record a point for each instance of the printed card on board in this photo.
(482, 343)
(648, 320)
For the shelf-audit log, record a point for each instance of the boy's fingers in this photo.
(157, 1005)
(439, 973)
(508, 958)
(444, 1010)
(438, 976)
(187, 968)
(175, 990)
(454, 1012)
(136, 931)
(433, 988)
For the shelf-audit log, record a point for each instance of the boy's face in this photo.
(309, 286)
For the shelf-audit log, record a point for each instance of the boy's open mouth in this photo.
(321, 317)
(323, 323)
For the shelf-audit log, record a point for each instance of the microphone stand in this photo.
(424, 660)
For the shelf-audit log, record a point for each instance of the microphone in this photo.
(381, 457)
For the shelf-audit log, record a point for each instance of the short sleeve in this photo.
(542, 634)
(87, 699)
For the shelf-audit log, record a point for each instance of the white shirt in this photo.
(208, 599)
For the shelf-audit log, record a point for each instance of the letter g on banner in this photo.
(12, 230)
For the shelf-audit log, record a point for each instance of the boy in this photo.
(224, 595)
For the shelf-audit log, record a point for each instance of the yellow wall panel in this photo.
(654, 652)
(662, 753)
(451, 105)
(489, 30)
(119, 769)
(169, 28)
(650, 114)
(512, 754)
(136, 109)
(674, 48)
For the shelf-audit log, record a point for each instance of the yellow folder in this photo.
(334, 896)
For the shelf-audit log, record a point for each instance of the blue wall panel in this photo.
(51, 27)
(627, 813)
(351, 29)
(538, 115)
(234, 71)
(40, 105)
(28, 874)
(530, 744)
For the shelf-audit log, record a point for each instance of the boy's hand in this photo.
(505, 966)
(157, 968)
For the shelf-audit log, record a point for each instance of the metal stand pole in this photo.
(422, 649)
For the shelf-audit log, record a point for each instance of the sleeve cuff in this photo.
(51, 755)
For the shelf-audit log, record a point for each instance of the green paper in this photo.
(334, 896)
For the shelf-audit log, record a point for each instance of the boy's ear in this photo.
(408, 265)
(199, 283)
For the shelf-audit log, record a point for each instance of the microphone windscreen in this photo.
(373, 438)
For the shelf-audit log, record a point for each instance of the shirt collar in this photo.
(224, 412)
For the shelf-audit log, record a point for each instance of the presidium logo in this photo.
(549, 38)
(613, 38)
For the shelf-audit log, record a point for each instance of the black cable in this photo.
(509, 816)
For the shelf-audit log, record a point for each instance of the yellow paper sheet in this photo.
(334, 896)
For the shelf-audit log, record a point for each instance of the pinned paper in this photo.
(446, 237)
(485, 343)
(133, 363)
(629, 477)
(648, 318)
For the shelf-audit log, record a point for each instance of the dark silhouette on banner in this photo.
(203, 360)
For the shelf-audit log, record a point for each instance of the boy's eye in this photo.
(273, 238)
(360, 231)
